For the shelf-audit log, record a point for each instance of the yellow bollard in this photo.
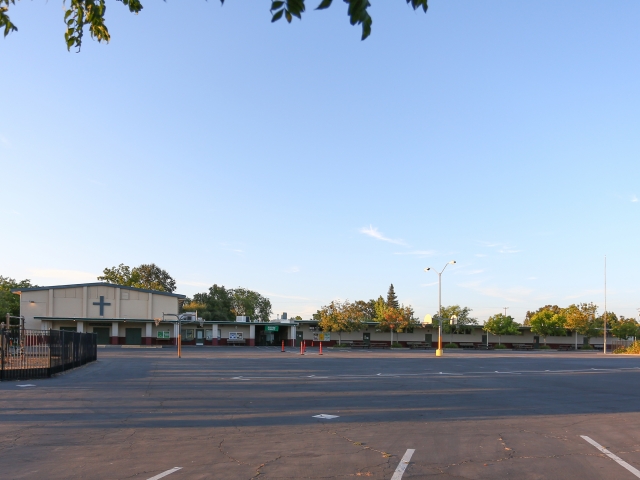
(438, 352)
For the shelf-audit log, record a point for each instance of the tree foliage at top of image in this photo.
(81, 14)
(10, 302)
(148, 276)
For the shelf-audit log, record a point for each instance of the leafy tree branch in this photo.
(91, 14)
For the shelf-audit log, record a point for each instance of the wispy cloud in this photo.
(634, 198)
(71, 276)
(375, 233)
(428, 284)
(481, 255)
(473, 272)
(585, 293)
(500, 247)
(293, 269)
(513, 294)
(418, 253)
(4, 141)
(193, 284)
(288, 297)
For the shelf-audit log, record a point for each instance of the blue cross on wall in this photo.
(102, 303)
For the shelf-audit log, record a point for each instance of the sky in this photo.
(305, 164)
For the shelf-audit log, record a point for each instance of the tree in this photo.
(366, 309)
(148, 276)
(10, 302)
(553, 308)
(90, 14)
(250, 303)
(392, 299)
(379, 306)
(546, 323)
(501, 325)
(218, 305)
(581, 318)
(340, 317)
(400, 319)
(625, 328)
(464, 319)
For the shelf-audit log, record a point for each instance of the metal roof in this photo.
(98, 284)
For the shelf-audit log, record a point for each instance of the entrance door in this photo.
(102, 334)
(133, 336)
(484, 339)
(200, 336)
(299, 338)
(428, 338)
(536, 342)
(366, 338)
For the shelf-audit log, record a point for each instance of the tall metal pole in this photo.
(439, 352)
(605, 304)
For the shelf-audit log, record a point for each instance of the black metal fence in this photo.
(27, 354)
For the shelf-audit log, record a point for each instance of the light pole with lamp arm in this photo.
(439, 350)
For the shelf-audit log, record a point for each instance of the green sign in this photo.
(272, 328)
(163, 335)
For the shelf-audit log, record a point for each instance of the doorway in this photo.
(428, 338)
(102, 335)
(200, 336)
(133, 336)
(366, 338)
(299, 338)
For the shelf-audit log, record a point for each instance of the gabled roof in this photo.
(97, 284)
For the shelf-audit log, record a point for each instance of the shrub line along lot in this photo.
(243, 413)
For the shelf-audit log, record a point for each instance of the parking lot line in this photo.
(404, 463)
(613, 457)
(164, 474)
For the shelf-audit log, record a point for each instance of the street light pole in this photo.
(439, 350)
(605, 305)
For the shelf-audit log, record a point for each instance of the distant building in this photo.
(117, 314)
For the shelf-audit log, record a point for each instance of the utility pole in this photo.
(505, 311)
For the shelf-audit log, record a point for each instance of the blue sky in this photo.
(300, 162)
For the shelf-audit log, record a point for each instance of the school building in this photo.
(121, 315)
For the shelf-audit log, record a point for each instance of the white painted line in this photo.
(404, 463)
(613, 457)
(164, 474)
(324, 416)
(26, 385)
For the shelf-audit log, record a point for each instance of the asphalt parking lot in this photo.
(246, 413)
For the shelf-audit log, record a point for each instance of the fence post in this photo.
(2, 352)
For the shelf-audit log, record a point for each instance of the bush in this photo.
(545, 347)
(586, 347)
(396, 345)
(451, 345)
(500, 347)
(633, 349)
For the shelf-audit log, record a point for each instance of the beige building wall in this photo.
(78, 302)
